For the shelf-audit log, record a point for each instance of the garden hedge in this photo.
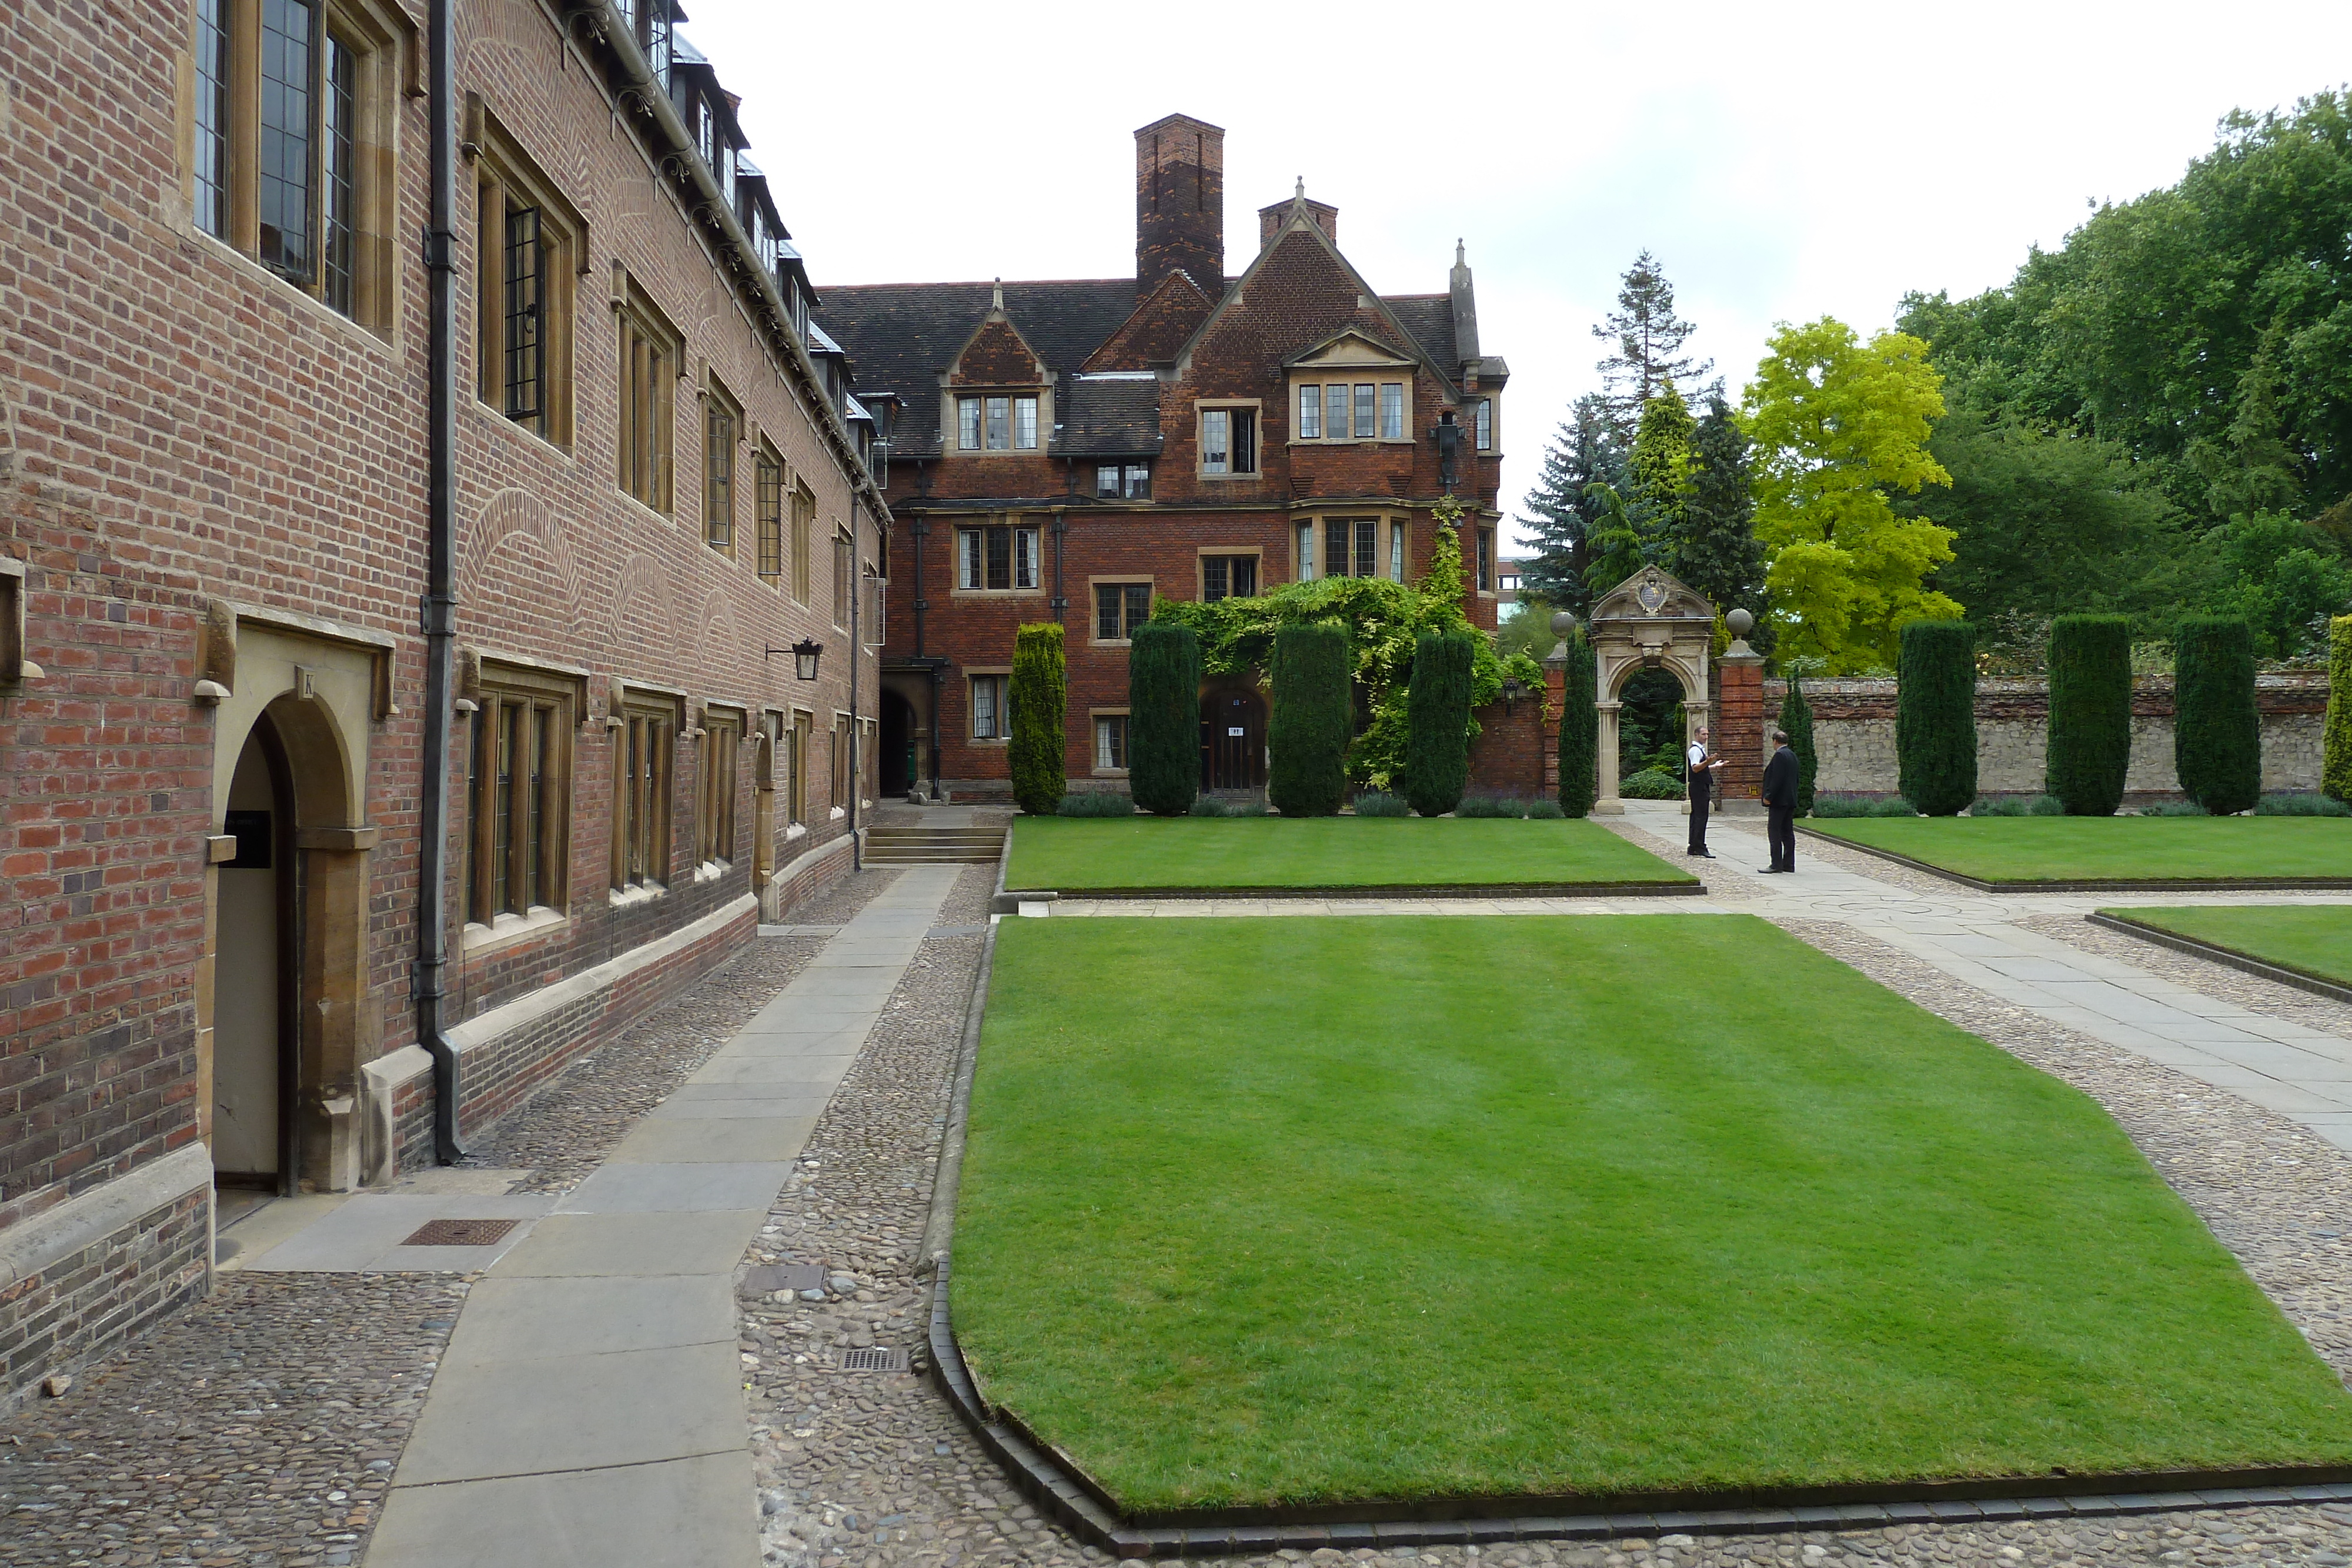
(2335, 769)
(1797, 718)
(2090, 711)
(1437, 722)
(2217, 734)
(1163, 718)
(1040, 692)
(1936, 716)
(1313, 716)
(1579, 729)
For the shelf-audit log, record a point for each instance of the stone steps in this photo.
(933, 846)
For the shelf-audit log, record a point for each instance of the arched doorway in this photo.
(1651, 635)
(256, 1078)
(1232, 739)
(1651, 723)
(898, 759)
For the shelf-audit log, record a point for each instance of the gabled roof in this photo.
(1162, 323)
(1430, 318)
(905, 334)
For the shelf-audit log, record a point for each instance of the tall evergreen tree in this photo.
(1649, 338)
(1563, 515)
(1660, 464)
(1714, 548)
(1164, 704)
(1579, 729)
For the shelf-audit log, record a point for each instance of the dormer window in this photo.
(1004, 424)
(1123, 481)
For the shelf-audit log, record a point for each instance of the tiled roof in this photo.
(903, 334)
(1430, 318)
(1107, 418)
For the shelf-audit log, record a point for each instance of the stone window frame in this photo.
(644, 808)
(800, 502)
(1126, 487)
(530, 690)
(1000, 673)
(647, 357)
(843, 777)
(1483, 559)
(1485, 431)
(723, 430)
(772, 491)
(718, 750)
(1201, 558)
(1094, 607)
(1201, 409)
(803, 732)
(16, 668)
(504, 171)
(1094, 740)
(383, 46)
(1019, 522)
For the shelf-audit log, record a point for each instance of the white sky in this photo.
(1783, 161)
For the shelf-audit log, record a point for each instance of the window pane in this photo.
(1000, 424)
(1111, 741)
(1025, 557)
(1311, 413)
(1000, 558)
(1139, 605)
(526, 348)
(535, 888)
(341, 116)
(968, 424)
(510, 742)
(1392, 410)
(1025, 423)
(1335, 550)
(1107, 612)
(477, 807)
(1138, 481)
(967, 557)
(1486, 559)
(1485, 424)
(1364, 410)
(1396, 552)
(1335, 412)
(1107, 481)
(212, 117)
(1214, 441)
(768, 498)
(1213, 579)
(288, 31)
(1245, 440)
(718, 476)
(1307, 552)
(1244, 577)
(1367, 548)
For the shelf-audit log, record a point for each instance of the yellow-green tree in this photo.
(1836, 425)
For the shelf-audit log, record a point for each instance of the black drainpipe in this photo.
(856, 597)
(438, 608)
(1061, 526)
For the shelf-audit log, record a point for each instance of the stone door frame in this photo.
(1648, 621)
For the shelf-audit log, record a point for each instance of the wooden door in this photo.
(1233, 740)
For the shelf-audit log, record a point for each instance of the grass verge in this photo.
(1241, 852)
(2310, 939)
(1341, 1210)
(2112, 849)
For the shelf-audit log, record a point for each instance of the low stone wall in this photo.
(1854, 734)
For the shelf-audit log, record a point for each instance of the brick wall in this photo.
(108, 1292)
(1510, 756)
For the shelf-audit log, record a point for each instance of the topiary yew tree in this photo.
(1437, 722)
(1579, 729)
(2090, 713)
(1312, 720)
(1936, 716)
(2335, 767)
(1040, 692)
(1163, 718)
(2217, 734)
(1797, 718)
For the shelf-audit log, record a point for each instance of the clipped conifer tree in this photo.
(2217, 733)
(1039, 695)
(1936, 716)
(2090, 713)
(1312, 719)
(1579, 729)
(1797, 718)
(1437, 722)
(1163, 718)
(2335, 766)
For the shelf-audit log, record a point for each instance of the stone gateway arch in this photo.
(1651, 621)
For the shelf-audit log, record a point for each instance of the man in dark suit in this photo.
(1780, 804)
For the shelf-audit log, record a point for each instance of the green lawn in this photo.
(2315, 939)
(1332, 1209)
(2121, 849)
(1082, 852)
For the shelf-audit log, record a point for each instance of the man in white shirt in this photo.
(1703, 765)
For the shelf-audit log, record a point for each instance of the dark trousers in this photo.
(1781, 832)
(1698, 799)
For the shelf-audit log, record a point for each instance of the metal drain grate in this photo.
(880, 1358)
(461, 1233)
(768, 1277)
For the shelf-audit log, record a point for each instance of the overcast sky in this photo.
(1783, 161)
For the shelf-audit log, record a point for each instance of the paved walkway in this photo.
(2301, 1074)
(588, 1409)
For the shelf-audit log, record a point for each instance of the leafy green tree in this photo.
(1619, 546)
(2217, 731)
(1797, 718)
(1580, 727)
(1713, 546)
(1437, 743)
(1837, 424)
(2089, 748)
(2282, 576)
(1936, 716)
(1561, 513)
(1163, 718)
(1312, 718)
(2336, 761)
(1040, 691)
(1649, 338)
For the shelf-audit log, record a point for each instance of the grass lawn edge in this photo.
(2263, 969)
(2084, 885)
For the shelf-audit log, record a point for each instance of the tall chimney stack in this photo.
(1180, 202)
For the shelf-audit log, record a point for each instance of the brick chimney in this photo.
(1180, 202)
(1322, 214)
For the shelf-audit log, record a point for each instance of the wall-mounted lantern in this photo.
(804, 656)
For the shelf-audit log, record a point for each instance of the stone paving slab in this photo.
(367, 1232)
(692, 1513)
(686, 1141)
(529, 1319)
(580, 1245)
(657, 1188)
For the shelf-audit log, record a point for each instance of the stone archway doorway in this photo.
(255, 1083)
(1648, 621)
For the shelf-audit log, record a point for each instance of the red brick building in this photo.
(256, 580)
(1063, 450)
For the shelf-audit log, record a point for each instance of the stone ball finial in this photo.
(1740, 622)
(1563, 623)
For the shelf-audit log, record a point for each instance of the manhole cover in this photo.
(878, 1359)
(461, 1233)
(770, 1277)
